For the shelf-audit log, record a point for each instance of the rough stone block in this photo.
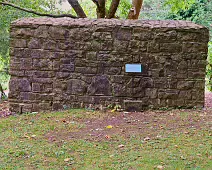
(124, 34)
(18, 43)
(75, 86)
(170, 47)
(185, 85)
(100, 85)
(42, 64)
(133, 105)
(34, 43)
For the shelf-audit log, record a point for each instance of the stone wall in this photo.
(61, 63)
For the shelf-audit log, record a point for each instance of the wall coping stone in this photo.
(84, 22)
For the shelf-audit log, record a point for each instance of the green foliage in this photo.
(123, 9)
(177, 5)
(154, 9)
(199, 12)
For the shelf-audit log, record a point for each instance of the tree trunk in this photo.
(135, 10)
(101, 9)
(113, 8)
(77, 8)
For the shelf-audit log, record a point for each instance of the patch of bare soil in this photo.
(4, 109)
(208, 99)
(148, 125)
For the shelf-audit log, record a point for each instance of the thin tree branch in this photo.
(77, 8)
(37, 13)
(96, 2)
(113, 8)
(97, 7)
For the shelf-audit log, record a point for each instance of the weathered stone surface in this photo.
(133, 105)
(34, 43)
(70, 63)
(100, 85)
(168, 94)
(153, 47)
(170, 47)
(20, 85)
(124, 34)
(75, 86)
(42, 31)
(168, 36)
(42, 64)
(185, 85)
(19, 43)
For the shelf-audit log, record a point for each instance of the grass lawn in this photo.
(80, 139)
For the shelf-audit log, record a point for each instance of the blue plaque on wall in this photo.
(133, 68)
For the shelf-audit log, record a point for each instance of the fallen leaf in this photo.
(26, 136)
(146, 139)
(160, 167)
(67, 159)
(121, 146)
(107, 136)
(33, 136)
(182, 157)
(109, 126)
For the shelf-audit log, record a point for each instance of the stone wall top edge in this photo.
(83, 22)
